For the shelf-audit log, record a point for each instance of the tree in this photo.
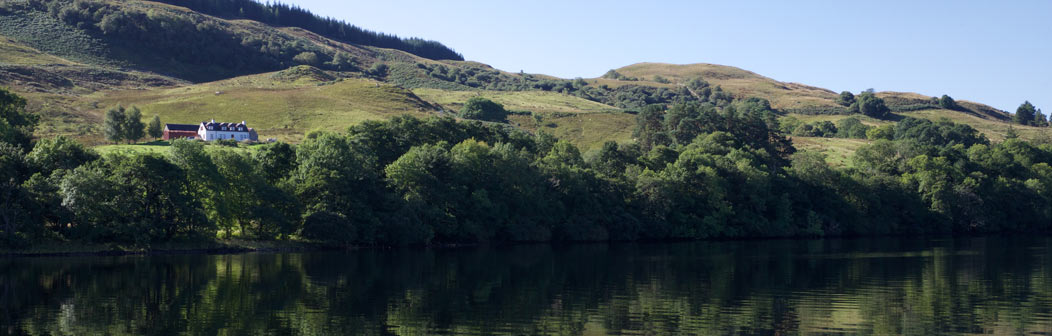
(1040, 120)
(137, 199)
(851, 127)
(57, 153)
(155, 130)
(113, 126)
(1025, 114)
(15, 205)
(205, 181)
(479, 108)
(334, 176)
(871, 105)
(948, 103)
(846, 98)
(16, 125)
(132, 127)
(276, 161)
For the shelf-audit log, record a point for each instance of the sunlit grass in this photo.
(838, 151)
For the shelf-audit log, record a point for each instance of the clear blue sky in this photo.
(994, 52)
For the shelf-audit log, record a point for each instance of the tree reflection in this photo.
(870, 286)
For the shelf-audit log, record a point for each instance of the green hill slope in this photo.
(739, 82)
(285, 104)
(287, 81)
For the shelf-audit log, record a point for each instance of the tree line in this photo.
(281, 14)
(696, 171)
(126, 124)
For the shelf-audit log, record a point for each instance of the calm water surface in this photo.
(994, 285)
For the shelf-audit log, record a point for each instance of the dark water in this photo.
(996, 285)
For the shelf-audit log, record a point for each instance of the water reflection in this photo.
(865, 286)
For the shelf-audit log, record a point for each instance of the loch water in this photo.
(872, 286)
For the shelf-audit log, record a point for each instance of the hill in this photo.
(75, 60)
(284, 104)
(739, 82)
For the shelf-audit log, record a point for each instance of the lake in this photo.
(962, 286)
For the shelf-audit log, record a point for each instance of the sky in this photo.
(994, 52)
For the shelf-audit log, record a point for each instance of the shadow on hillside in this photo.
(893, 117)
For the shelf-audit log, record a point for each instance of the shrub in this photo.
(479, 108)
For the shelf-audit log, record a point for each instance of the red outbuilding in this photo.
(180, 131)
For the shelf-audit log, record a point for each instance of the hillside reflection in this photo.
(865, 286)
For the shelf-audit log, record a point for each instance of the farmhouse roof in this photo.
(231, 127)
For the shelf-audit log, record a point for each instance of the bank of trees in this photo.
(697, 171)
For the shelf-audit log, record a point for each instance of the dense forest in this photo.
(284, 15)
(698, 171)
(197, 47)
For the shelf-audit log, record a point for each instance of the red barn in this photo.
(179, 131)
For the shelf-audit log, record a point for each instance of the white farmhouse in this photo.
(212, 131)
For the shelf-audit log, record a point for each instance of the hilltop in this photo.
(73, 61)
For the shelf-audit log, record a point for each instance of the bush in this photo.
(378, 70)
(846, 98)
(948, 103)
(308, 58)
(479, 108)
(851, 127)
(871, 105)
(886, 132)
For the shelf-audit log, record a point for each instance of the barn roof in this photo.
(181, 127)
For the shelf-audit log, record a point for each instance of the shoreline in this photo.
(170, 248)
(238, 246)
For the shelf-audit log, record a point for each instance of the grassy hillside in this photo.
(586, 123)
(13, 52)
(72, 73)
(542, 102)
(284, 104)
(738, 82)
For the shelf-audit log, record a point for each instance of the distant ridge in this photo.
(280, 14)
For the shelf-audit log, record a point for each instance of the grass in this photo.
(12, 52)
(162, 147)
(290, 103)
(533, 101)
(809, 118)
(585, 123)
(276, 109)
(586, 130)
(738, 82)
(838, 151)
